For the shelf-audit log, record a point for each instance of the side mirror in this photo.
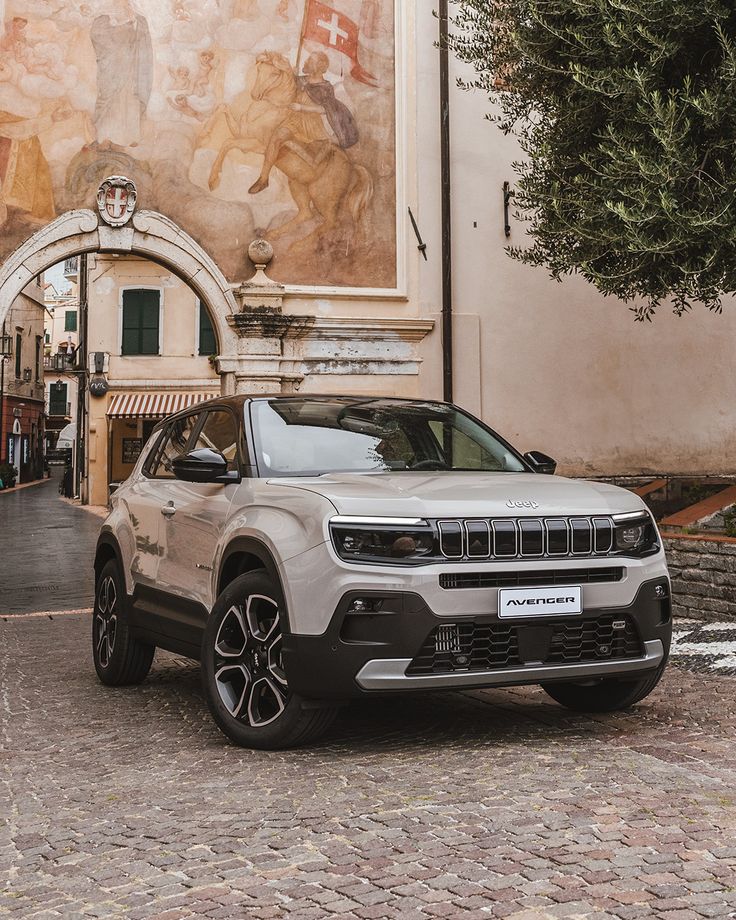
(202, 465)
(540, 462)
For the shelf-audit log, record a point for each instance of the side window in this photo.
(220, 432)
(173, 445)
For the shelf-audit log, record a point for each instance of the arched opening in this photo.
(172, 302)
(150, 235)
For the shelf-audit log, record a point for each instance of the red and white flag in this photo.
(327, 26)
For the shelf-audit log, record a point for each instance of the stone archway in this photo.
(148, 234)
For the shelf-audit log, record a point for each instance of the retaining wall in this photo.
(703, 570)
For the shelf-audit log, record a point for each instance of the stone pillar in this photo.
(260, 326)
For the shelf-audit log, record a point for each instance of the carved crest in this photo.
(116, 200)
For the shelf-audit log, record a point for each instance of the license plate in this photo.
(539, 602)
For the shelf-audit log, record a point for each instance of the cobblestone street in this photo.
(484, 804)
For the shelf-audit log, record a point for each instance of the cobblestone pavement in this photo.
(708, 647)
(57, 574)
(129, 803)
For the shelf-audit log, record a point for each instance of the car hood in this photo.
(464, 494)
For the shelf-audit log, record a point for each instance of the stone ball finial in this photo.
(260, 252)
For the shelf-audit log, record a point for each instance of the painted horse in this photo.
(323, 180)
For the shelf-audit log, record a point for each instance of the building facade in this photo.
(61, 338)
(154, 343)
(22, 421)
(245, 121)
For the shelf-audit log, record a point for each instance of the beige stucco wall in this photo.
(555, 366)
(178, 367)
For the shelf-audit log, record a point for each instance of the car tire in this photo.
(608, 695)
(243, 678)
(119, 659)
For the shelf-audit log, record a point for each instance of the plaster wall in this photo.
(24, 320)
(177, 368)
(557, 367)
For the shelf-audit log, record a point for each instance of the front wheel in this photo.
(611, 694)
(243, 674)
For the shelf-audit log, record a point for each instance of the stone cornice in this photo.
(353, 327)
(269, 324)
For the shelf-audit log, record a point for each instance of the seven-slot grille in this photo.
(526, 538)
(492, 646)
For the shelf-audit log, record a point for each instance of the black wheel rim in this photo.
(106, 621)
(248, 664)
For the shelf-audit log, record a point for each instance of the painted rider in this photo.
(315, 98)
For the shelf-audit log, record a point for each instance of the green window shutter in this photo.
(70, 321)
(57, 400)
(140, 322)
(207, 341)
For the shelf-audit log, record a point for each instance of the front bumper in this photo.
(390, 673)
(362, 653)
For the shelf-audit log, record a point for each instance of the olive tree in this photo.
(626, 113)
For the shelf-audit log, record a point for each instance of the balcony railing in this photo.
(53, 410)
(60, 362)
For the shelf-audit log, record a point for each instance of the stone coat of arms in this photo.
(116, 200)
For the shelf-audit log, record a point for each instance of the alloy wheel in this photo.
(249, 671)
(106, 620)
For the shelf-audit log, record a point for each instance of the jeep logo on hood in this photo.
(529, 503)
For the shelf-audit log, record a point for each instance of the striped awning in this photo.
(153, 405)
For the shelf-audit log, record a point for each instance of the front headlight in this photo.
(396, 541)
(634, 534)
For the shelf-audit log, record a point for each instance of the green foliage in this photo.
(7, 475)
(729, 521)
(626, 111)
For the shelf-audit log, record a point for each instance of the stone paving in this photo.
(129, 803)
(46, 548)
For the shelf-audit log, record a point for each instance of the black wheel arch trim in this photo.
(251, 546)
(107, 539)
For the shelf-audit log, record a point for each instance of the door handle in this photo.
(168, 510)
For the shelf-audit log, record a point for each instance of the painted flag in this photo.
(327, 26)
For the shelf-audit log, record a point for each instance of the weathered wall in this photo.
(178, 367)
(555, 367)
(703, 572)
(189, 99)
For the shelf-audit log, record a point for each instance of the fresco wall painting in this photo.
(235, 118)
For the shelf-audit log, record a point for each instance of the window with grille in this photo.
(141, 322)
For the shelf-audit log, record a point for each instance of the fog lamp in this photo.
(365, 605)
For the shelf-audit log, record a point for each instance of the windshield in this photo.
(309, 437)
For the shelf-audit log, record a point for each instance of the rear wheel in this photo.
(611, 694)
(243, 674)
(119, 658)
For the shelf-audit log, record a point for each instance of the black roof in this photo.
(239, 400)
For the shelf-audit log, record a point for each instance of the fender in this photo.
(107, 539)
(251, 547)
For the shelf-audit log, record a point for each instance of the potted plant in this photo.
(7, 476)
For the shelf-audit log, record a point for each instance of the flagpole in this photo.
(301, 35)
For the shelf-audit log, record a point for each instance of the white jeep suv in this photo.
(310, 549)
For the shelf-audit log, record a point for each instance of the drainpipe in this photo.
(447, 374)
